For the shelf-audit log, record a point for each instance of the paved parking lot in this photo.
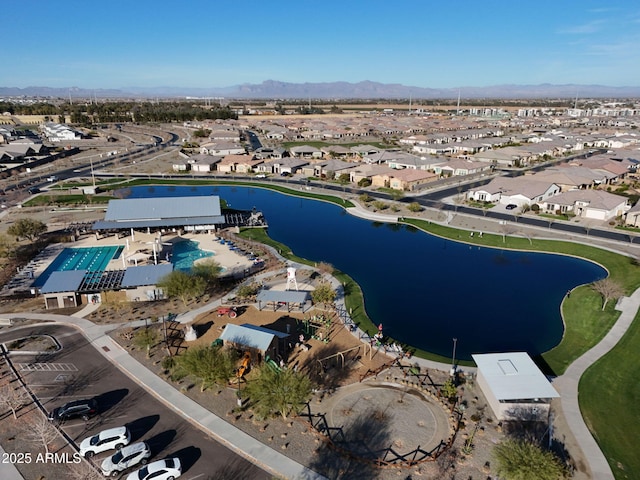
(78, 371)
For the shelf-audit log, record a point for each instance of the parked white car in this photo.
(167, 469)
(114, 438)
(126, 458)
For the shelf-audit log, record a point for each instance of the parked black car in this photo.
(84, 409)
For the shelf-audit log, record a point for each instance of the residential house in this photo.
(225, 136)
(222, 149)
(237, 163)
(367, 171)
(460, 167)
(592, 204)
(306, 151)
(507, 156)
(434, 149)
(247, 163)
(524, 190)
(573, 177)
(283, 165)
(326, 169)
(632, 217)
(270, 152)
(203, 163)
(336, 151)
(181, 166)
(409, 179)
(364, 150)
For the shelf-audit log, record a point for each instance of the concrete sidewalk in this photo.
(8, 470)
(261, 455)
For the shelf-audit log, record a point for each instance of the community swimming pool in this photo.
(185, 253)
(93, 259)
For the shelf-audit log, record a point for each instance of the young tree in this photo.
(42, 432)
(247, 291)
(325, 267)
(279, 392)
(522, 460)
(13, 398)
(27, 228)
(365, 198)
(146, 338)
(414, 207)
(609, 289)
(397, 194)
(448, 390)
(210, 364)
(183, 285)
(324, 294)
(7, 245)
(207, 270)
(83, 471)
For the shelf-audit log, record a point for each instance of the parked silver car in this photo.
(127, 457)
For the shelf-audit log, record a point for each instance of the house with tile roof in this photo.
(524, 190)
(409, 179)
(592, 204)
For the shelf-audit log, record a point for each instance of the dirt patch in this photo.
(35, 343)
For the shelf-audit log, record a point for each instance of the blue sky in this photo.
(218, 43)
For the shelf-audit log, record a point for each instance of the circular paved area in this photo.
(369, 418)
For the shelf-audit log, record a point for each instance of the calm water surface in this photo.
(423, 289)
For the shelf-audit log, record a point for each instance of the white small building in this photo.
(514, 386)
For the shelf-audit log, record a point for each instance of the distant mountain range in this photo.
(272, 89)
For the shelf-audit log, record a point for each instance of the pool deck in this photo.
(135, 252)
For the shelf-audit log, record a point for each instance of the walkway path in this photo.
(8, 470)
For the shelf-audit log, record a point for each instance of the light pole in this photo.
(453, 358)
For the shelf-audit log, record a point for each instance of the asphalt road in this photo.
(79, 371)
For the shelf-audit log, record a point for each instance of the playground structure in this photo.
(244, 366)
(343, 355)
(271, 363)
(317, 327)
(231, 312)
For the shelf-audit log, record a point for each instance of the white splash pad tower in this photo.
(291, 279)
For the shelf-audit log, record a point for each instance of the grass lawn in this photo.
(72, 199)
(609, 397)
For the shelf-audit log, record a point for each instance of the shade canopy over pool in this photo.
(91, 259)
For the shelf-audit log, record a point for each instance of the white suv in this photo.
(126, 458)
(114, 438)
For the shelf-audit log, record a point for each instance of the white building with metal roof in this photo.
(515, 388)
(201, 212)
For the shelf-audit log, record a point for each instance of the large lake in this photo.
(425, 290)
